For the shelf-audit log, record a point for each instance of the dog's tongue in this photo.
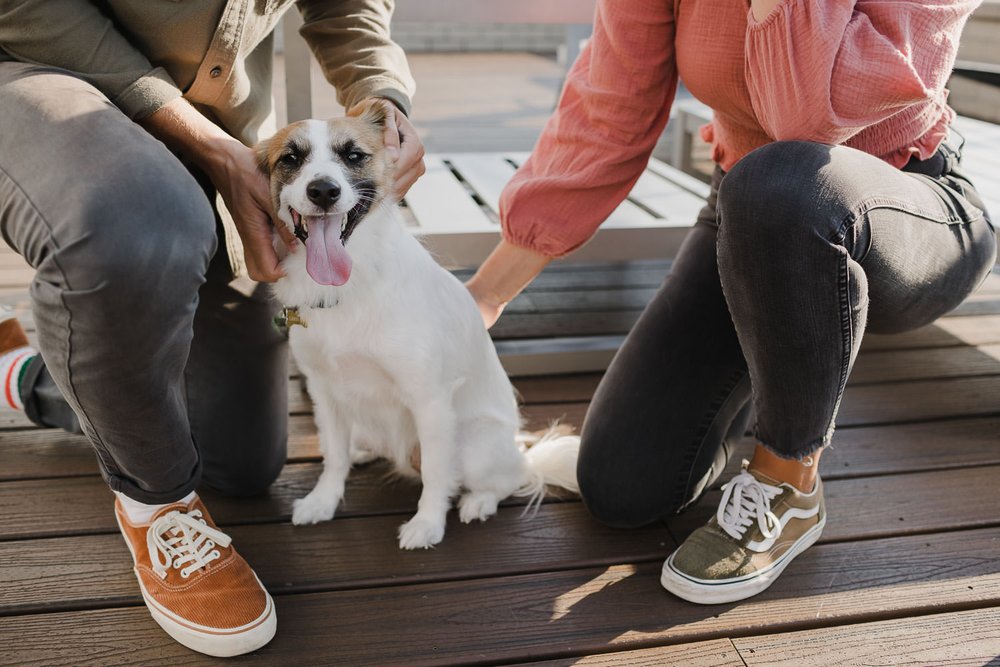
(326, 259)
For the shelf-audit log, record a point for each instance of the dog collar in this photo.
(287, 318)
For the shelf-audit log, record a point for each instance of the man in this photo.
(121, 126)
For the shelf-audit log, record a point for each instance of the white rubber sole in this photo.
(705, 591)
(217, 643)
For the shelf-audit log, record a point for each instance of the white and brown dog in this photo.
(395, 354)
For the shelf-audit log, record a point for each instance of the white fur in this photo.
(398, 358)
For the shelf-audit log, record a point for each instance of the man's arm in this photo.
(233, 170)
(351, 41)
(74, 35)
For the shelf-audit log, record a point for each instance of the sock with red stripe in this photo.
(15, 353)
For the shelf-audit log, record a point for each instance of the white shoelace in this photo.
(178, 539)
(744, 499)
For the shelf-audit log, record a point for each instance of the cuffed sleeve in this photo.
(352, 44)
(824, 71)
(75, 36)
(615, 104)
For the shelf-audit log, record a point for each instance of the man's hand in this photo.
(402, 145)
(233, 171)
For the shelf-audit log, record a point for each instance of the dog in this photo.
(396, 358)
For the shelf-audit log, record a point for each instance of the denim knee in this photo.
(146, 235)
(778, 193)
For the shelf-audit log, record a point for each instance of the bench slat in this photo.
(486, 173)
(440, 203)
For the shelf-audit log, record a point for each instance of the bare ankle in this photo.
(799, 473)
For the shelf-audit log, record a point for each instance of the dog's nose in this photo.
(323, 193)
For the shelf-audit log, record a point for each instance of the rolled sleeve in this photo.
(73, 35)
(614, 106)
(352, 44)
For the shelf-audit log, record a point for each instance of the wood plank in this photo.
(85, 503)
(95, 571)
(675, 205)
(486, 173)
(959, 638)
(441, 205)
(890, 402)
(872, 450)
(712, 653)
(550, 615)
(899, 448)
(885, 505)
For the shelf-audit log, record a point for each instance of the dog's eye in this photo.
(290, 159)
(355, 157)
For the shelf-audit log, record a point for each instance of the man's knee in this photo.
(145, 231)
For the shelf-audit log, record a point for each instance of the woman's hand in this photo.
(489, 306)
(402, 144)
(503, 275)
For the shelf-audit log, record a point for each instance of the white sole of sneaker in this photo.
(212, 641)
(705, 591)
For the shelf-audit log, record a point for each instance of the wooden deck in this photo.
(908, 570)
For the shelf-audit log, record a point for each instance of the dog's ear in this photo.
(374, 111)
(262, 152)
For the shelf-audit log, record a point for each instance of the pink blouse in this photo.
(868, 74)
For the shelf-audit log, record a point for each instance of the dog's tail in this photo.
(551, 459)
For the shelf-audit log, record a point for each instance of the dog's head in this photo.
(325, 178)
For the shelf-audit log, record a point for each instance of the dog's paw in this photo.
(312, 509)
(477, 506)
(418, 533)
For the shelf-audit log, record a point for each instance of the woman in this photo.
(837, 206)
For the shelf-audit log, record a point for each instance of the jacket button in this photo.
(216, 72)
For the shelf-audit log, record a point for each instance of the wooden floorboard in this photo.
(960, 638)
(908, 557)
(555, 614)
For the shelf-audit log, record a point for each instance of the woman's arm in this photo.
(823, 71)
(614, 105)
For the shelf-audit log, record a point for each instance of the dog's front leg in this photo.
(436, 429)
(334, 440)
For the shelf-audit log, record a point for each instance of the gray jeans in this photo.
(801, 249)
(173, 374)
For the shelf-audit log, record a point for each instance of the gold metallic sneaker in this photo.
(760, 526)
(200, 591)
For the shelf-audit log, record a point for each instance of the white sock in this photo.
(141, 513)
(12, 365)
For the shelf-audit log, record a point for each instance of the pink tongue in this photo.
(326, 259)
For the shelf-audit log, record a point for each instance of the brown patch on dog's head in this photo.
(283, 156)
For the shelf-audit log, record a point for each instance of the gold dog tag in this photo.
(288, 317)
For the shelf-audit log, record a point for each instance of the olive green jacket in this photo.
(216, 53)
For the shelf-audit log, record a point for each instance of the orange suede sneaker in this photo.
(200, 591)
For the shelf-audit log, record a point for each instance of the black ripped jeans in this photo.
(801, 248)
